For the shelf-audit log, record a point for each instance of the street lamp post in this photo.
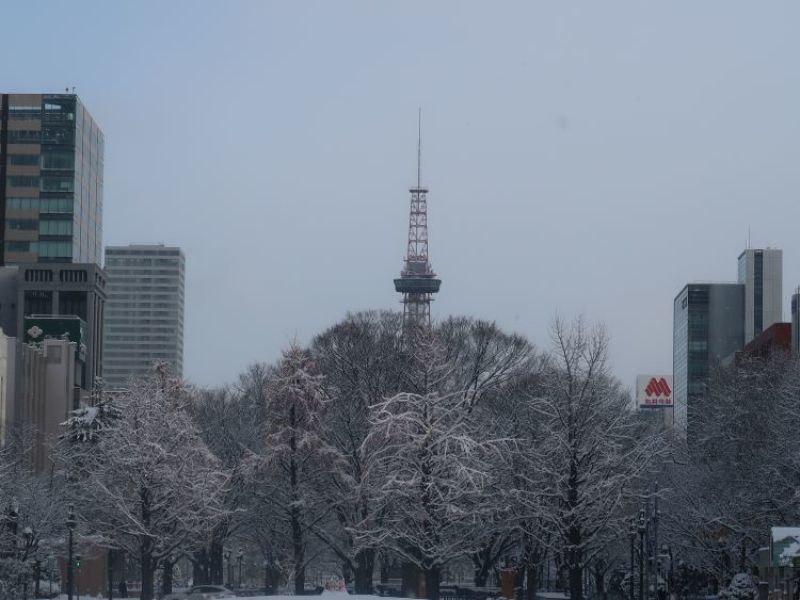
(642, 529)
(666, 552)
(70, 573)
(227, 556)
(239, 558)
(110, 569)
(632, 534)
(27, 535)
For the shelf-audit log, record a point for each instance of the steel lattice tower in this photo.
(417, 280)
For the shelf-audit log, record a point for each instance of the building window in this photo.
(30, 160)
(21, 224)
(43, 275)
(68, 276)
(55, 205)
(58, 160)
(57, 184)
(55, 249)
(21, 246)
(22, 181)
(22, 203)
(55, 227)
(38, 302)
(72, 303)
(22, 136)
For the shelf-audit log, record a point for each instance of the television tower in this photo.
(417, 281)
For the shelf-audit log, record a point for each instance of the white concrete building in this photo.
(8, 363)
(47, 391)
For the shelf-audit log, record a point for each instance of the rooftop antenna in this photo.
(419, 147)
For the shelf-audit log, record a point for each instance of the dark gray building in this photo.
(51, 180)
(796, 321)
(708, 328)
(144, 316)
(46, 291)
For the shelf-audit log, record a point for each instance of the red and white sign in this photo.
(654, 391)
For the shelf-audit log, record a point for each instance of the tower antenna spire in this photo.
(419, 147)
(417, 282)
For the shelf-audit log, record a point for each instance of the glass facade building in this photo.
(144, 314)
(708, 329)
(51, 180)
(761, 272)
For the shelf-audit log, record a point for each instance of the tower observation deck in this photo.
(417, 281)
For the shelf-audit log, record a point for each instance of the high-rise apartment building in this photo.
(144, 315)
(51, 180)
(761, 272)
(708, 328)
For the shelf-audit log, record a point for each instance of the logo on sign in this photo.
(658, 387)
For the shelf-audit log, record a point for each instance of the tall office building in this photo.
(708, 328)
(51, 180)
(144, 315)
(796, 321)
(761, 272)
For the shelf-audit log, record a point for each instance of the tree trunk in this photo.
(297, 529)
(347, 572)
(364, 567)
(385, 567)
(200, 568)
(166, 582)
(481, 574)
(216, 567)
(531, 581)
(600, 583)
(271, 579)
(433, 577)
(123, 582)
(410, 580)
(575, 581)
(148, 573)
(299, 555)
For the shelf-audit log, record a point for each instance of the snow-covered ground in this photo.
(326, 595)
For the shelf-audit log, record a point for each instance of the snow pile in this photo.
(742, 587)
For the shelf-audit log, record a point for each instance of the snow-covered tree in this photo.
(481, 357)
(362, 360)
(148, 485)
(230, 422)
(32, 515)
(739, 473)
(593, 455)
(296, 456)
(431, 469)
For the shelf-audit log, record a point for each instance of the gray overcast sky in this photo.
(582, 158)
